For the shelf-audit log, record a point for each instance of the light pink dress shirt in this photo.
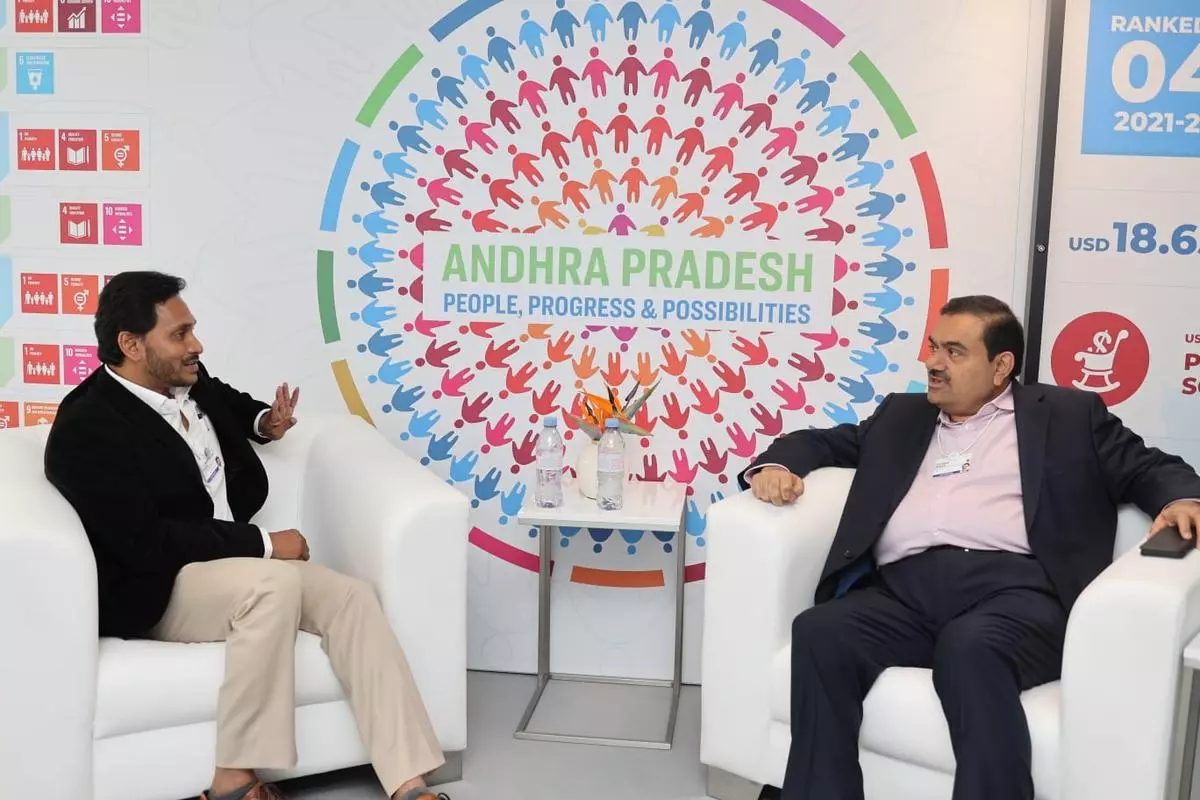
(981, 508)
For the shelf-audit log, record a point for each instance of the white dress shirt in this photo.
(200, 438)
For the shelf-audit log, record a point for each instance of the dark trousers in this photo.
(989, 625)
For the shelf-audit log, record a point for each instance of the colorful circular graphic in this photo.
(1104, 353)
(658, 119)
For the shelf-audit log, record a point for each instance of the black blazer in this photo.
(136, 487)
(1078, 464)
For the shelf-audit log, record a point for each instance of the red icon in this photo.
(40, 364)
(34, 16)
(10, 414)
(77, 150)
(1101, 352)
(120, 151)
(78, 362)
(76, 16)
(39, 293)
(80, 294)
(35, 148)
(78, 223)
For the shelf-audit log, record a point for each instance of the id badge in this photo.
(953, 464)
(212, 472)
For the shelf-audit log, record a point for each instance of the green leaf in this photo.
(629, 427)
(591, 430)
(633, 408)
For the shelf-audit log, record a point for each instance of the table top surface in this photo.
(649, 506)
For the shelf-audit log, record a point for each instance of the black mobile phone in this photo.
(1168, 543)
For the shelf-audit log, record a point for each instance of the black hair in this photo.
(1002, 332)
(130, 303)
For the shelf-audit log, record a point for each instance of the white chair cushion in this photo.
(903, 719)
(144, 686)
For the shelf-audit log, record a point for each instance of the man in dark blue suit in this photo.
(977, 515)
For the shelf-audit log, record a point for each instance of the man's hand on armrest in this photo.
(776, 485)
(289, 545)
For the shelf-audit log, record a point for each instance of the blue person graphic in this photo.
(887, 300)
(886, 237)
(733, 36)
(880, 205)
(473, 68)
(840, 415)
(882, 331)
(376, 224)
(869, 174)
(766, 53)
(406, 399)
(667, 18)
(531, 35)
(380, 343)
(374, 314)
(500, 50)
(390, 372)
(837, 118)
(409, 137)
(564, 24)
(383, 193)
(371, 283)
(859, 389)
(395, 165)
(701, 25)
(888, 267)
(631, 16)
(449, 89)
(816, 93)
(872, 361)
(855, 145)
(597, 18)
(371, 254)
(428, 111)
(792, 72)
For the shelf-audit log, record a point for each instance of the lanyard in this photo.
(974, 441)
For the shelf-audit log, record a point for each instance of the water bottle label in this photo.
(610, 462)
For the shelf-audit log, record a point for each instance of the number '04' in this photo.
(1185, 79)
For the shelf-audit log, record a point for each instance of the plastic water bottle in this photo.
(610, 463)
(548, 491)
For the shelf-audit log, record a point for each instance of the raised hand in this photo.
(281, 417)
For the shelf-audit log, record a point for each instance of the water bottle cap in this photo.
(612, 423)
(550, 422)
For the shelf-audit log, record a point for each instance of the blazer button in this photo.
(847, 554)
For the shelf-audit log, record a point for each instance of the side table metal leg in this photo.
(1187, 760)
(546, 534)
(677, 676)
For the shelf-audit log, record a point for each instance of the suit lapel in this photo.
(148, 420)
(1033, 424)
(911, 447)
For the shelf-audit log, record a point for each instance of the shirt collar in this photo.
(164, 405)
(1002, 402)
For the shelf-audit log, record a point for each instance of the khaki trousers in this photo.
(256, 606)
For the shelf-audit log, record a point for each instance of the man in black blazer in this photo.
(977, 514)
(154, 454)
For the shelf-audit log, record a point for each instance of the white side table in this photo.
(657, 506)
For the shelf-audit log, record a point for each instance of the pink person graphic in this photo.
(621, 224)
(553, 144)
(524, 166)
(573, 193)
(721, 161)
(691, 140)
(563, 79)
(500, 191)
(820, 201)
(805, 170)
(621, 127)
(455, 161)
(747, 184)
(658, 129)
(484, 222)
(831, 232)
(730, 95)
(439, 191)
(699, 82)
(596, 70)
(585, 133)
(758, 115)
(766, 215)
(476, 135)
(426, 222)
(629, 69)
(784, 138)
(664, 72)
(501, 112)
(530, 93)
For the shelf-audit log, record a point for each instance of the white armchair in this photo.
(108, 719)
(1106, 731)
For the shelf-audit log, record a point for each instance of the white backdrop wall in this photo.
(258, 123)
(1123, 284)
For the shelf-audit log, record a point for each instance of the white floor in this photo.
(499, 767)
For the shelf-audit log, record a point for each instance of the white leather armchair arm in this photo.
(763, 566)
(1121, 676)
(48, 658)
(380, 516)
